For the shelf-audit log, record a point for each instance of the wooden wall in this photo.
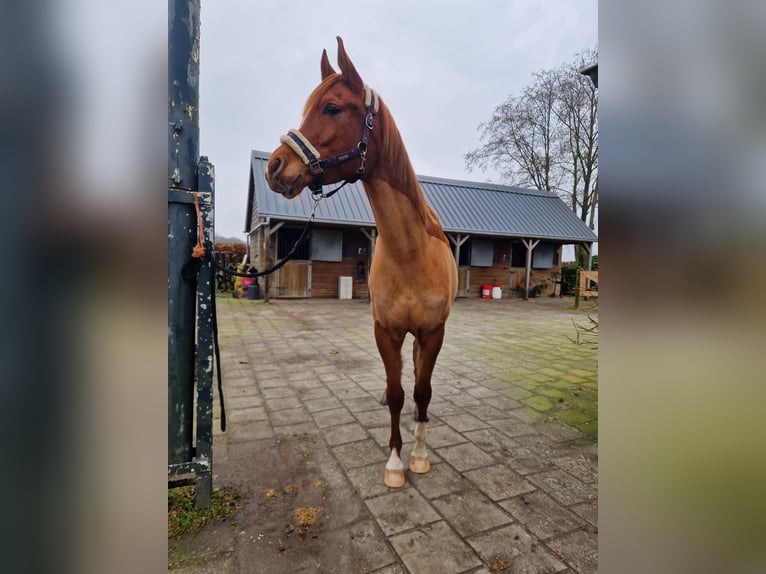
(325, 274)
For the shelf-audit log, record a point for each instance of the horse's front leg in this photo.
(390, 348)
(426, 350)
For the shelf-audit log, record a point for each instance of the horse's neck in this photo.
(399, 215)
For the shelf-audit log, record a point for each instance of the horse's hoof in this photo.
(393, 478)
(384, 399)
(419, 465)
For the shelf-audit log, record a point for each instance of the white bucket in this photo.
(497, 292)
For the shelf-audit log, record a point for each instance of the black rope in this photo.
(279, 263)
(217, 352)
(304, 235)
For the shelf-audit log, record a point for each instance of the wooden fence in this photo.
(588, 283)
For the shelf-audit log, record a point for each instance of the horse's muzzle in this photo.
(280, 182)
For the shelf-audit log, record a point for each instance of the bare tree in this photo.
(522, 137)
(547, 137)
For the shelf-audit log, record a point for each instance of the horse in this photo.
(413, 275)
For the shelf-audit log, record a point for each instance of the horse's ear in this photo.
(349, 74)
(327, 68)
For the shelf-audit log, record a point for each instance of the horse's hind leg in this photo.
(428, 347)
(390, 349)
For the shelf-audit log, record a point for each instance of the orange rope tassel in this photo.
(199, 250)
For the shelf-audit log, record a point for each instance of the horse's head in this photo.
(331, 144)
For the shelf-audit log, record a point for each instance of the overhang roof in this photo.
(463, 207)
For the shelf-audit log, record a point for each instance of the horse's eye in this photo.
(331, 110)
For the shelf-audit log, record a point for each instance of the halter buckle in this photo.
(315, 167)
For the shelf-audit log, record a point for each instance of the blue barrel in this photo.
(254, 291)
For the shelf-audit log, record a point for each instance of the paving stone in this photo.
(440, 408)
(380, 435)
(481, 392)
(343, 433)
(249, 431)
(579, 549)
(512, 544)
(359, 548)
(527, 415)
(333, 417)
(434, 548)
(464, 422)
(313, 393)
(560, 431)
(539, 403)
(470, 512)
(401, 510)
(587, 510)
(541, 515)
(465, 456)
(288, 416)
(487, 412)
(235, 416)
(488, 440)
(442, 435)
(499, 482)
(350, 392)
(322, 404)
(392, 569)
(362, 404)
(277, 393)
(359, 453)
(579, 467)
(368, 480)
(242, 402)
(376, 418)
(563, 486)
(295, 429)
(463, 400)
(512, 427)
(440, 480)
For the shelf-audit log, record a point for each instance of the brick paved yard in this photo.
(512, 442)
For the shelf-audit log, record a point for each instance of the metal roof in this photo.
(463, 207)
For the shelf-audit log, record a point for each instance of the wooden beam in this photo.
(372, 237)
(458, 239)
(530, 245)
(267, 258)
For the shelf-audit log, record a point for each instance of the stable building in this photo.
(502, 236)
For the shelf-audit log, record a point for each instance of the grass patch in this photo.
(184, 518)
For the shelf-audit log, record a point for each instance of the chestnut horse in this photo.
(413, 277)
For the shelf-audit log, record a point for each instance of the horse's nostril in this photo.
(274, 167)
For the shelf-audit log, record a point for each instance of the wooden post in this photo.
(372, 236)
(589, 249)
(577, 288)
(267, 259)
(530, 245)
(458, 240)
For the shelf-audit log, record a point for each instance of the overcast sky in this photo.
(440, 66)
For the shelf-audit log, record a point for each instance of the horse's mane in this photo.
(398, 170)
(400, 173)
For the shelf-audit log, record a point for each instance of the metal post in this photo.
(205, 293)
(183, 153)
